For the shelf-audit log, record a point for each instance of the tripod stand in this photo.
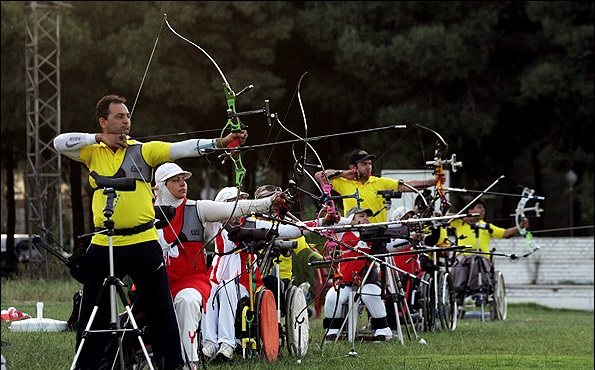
(115, 285)
(392, 292)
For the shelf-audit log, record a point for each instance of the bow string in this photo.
(326, 202)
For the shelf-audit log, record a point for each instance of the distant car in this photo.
(21, 249)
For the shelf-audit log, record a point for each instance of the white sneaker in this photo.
(225, 352)
(209, 349)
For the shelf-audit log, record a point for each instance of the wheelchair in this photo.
(274, 316)
(482, 286)
(432, 305)
(444, 293)
(266, 330)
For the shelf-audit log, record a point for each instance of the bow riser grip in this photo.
(234, 144)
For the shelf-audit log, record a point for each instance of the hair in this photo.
(102, 108)
(266, 191)
(475, 203)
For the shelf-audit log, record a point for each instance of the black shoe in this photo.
(330, 338)
(379, 338)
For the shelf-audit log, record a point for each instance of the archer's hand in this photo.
(238, 138)
(352, 174)
(277, 198)
(331, 218)
(524, 223)
(114, 141)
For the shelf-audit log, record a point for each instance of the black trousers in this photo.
(144, 264)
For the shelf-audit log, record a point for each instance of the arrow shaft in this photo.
(308, 139)
(492, 193)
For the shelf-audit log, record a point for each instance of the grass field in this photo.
(532, 337)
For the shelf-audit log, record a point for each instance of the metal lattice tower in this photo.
(43, 180)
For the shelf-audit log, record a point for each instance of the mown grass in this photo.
(532, 337)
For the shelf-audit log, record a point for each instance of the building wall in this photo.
(558, 275)
(558, 261)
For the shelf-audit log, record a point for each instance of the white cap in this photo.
(399, 213)
(357, 209)
(168, 170)
(228, 193)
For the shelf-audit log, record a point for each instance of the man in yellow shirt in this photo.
(113, 157)
(359, 177)
(477, 234)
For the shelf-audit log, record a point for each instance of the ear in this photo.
(102, 123)
(352, 167)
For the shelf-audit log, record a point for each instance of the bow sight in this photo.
(389, 194)
(385, 233)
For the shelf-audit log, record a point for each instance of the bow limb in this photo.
(520, 210)
(331, 245)
(300, 166)
(199, 48)
(233, 121)
(437, 163)
(438, 166)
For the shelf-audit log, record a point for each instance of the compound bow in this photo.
(521, 208)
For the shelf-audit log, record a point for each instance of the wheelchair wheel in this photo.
(142, 364)
(447, 307)
(500, 304)
(413, 292)
(267, 333)
(297, 325)
(428, 302)
(416, 309)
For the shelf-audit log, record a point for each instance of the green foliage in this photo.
(509, 85)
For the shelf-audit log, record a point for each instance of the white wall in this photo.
(566, 260)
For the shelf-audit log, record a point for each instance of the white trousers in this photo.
(218, 324)
(188, 306)
(370, 295)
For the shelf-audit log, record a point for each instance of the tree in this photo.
(499, 80)
(13, 113)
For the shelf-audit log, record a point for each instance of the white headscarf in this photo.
(164, 197)
(165, 172)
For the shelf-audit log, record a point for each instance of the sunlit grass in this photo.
(532, 337)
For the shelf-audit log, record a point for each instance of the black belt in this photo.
(131, 230)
